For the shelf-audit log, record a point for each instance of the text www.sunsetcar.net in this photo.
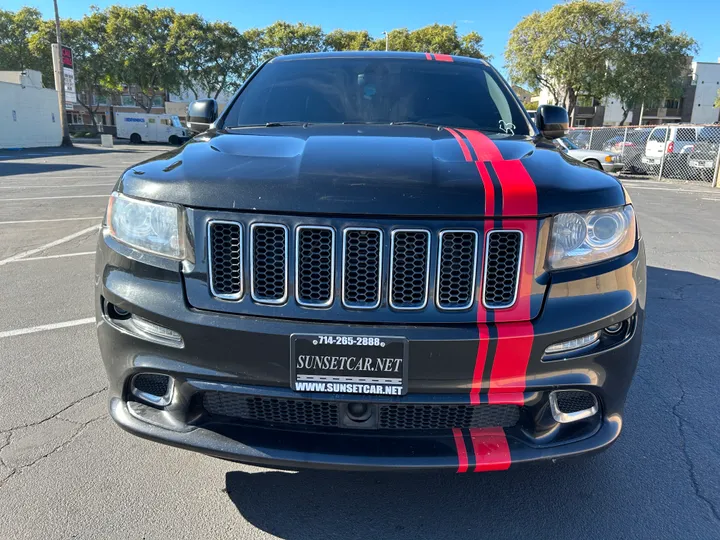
(349, 388)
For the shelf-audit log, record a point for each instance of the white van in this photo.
(677, 142)
(141, 127)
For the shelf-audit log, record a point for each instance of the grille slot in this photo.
(225, 244)
(315, 266)
(362, 267)
(269, 263)
(456, 269)
(409, 269)
(503, 252)
(272, 410)
(572, 401)
(152, 383)
(447, 416)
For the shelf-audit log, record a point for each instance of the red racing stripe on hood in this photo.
(485, 149)
(491, 449)
(463, 146)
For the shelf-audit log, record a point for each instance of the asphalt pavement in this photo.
(66, 471)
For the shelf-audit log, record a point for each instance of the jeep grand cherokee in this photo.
(371, 261)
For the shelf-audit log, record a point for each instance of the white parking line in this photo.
(45, 327)
(49, 198)
(27, 259)
(49, 220)
(47, 246)
(708, 199)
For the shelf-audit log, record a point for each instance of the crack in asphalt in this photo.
(81, 427)
(54, 415)
(688, 460)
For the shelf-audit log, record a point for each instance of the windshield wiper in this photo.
(280, 124)
(416, 124)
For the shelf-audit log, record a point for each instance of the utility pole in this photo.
(387, 41)
(60, 82)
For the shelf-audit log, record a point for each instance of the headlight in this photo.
(590, 237)
(147, 226)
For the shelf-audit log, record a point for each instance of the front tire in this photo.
(174, 140)
(593, 163)
(135, 138)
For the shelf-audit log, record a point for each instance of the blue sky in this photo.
(491, 19)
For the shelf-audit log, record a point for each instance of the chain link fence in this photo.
(672, 151)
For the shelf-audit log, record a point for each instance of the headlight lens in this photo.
(585, 238)
(147, 226)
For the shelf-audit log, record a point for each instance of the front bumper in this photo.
(612, 167)
(249, 356)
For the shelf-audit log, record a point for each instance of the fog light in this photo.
(573, 344)
(614, 328)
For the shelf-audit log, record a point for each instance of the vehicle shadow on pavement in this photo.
(663, 466)
(11, 169)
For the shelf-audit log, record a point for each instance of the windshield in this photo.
(378, 90)
(569, 144)
(176, 121)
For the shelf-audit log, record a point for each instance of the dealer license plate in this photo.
(348, 364)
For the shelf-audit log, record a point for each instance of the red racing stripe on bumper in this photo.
(461, 452)
(491, 449)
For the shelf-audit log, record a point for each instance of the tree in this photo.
(286, 38)
(649, 69)
(717, 100)
(212, 55)
(435, 38)
(566, 50)
(348, 40)
(16, 30)
(148, 59)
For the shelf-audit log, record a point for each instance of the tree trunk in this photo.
(626, 112)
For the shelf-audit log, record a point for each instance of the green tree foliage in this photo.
(348, 40)
(285, 38)
(140, 52)
(650, 68)
(566, 49)
(16, 30)
(596, 48)
(435, 38)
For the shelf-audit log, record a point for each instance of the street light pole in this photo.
(387, 41)
(60, 82)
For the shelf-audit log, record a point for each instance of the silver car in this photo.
(594, 158)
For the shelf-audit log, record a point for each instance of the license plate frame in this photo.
(385, 376)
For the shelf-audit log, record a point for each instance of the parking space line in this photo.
(64, 186)
(45, 327)
(48, 198)
(61, 256)
(708, 199)
(48, 246)
(48, 220)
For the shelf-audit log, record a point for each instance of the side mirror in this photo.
(201, 113)
(552, 121)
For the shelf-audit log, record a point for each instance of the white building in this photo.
(29, 113)
(179, 102)
(706, 80)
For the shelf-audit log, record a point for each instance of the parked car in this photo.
(675, 143)
(597, 159)
(704, 157)
(371, 260)
(580, 138)
(630, 147)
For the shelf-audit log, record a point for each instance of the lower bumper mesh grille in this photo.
(296, 412)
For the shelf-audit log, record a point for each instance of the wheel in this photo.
(135, 138)
(595, 164)
(174, 140)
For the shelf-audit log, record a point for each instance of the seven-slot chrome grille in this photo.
(364, 267)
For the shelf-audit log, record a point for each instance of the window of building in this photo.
(99, 100)
(585, 101)
(75, 119)
(672, 104)
(127, 101)
(580, 122)
(158, 101)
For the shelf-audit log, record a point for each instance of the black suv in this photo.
(371, 261)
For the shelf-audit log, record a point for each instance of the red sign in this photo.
(67, 57)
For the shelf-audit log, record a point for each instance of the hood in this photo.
(371, 170)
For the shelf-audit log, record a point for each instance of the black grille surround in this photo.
(269, 260)
(327, 414)
(503, 260)
(434, 274)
